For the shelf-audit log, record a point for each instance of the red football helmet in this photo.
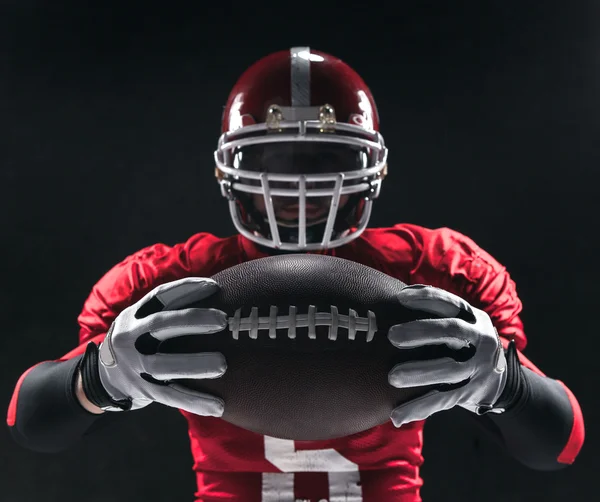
(300, 158)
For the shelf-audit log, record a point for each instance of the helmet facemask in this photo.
(300, 185)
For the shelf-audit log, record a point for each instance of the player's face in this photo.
(300, 158)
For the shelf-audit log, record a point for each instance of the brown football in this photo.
(307, 349)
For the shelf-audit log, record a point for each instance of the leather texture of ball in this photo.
(307, 350)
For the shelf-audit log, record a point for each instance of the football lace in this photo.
(254, 323)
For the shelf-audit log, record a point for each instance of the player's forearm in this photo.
(542, 426)
(83, 399)
(45, 413)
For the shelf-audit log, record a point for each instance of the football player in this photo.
(300, 162)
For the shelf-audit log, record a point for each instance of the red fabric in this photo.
(229, 461)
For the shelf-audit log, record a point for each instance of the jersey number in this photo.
(344, 477)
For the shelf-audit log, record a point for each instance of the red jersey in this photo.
(380, 464)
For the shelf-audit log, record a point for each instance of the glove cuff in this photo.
(92, 384)
(516, 385)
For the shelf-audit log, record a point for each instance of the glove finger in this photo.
(164, 325)
(179, 396)
(433, 300)
(423, 407)
(455, 333)
(176, 294)
(173, 366)
(432, 372)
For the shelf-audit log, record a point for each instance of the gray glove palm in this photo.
(124, 370)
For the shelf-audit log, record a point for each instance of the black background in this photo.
(109, 115)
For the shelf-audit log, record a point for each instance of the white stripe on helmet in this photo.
(300, 76)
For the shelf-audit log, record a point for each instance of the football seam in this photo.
(333, 319)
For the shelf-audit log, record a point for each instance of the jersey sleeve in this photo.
(137, 275)
(45, 393)
(123, 285)
(454, 262)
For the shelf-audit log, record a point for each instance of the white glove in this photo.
(461, 326)
(122, 367)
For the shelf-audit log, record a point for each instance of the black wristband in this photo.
(92, 385)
